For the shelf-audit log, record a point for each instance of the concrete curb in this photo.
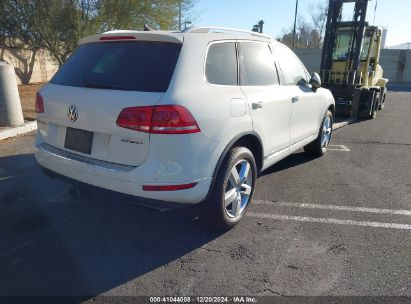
(11, 132)
(341, 124)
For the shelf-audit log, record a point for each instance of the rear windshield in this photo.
(135, 66)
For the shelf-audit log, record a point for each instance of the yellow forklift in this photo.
(350, 63)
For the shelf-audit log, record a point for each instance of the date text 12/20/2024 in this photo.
(170, 299)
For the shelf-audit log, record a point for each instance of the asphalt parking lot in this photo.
(333, 226)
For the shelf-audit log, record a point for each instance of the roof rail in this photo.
(208, 29)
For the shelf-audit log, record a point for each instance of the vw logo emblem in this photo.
(72, 113)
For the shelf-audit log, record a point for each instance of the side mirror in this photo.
(315, 81)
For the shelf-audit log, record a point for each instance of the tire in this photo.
(319, 146)
(382, 103)
(234, 184)
(375, 106)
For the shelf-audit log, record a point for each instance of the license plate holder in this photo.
(78, 140)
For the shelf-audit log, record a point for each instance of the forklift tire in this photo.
(382, 103)
(376, 105)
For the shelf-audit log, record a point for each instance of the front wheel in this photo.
(382, 103)
(375, 106)
(319, 146)
(233, 190)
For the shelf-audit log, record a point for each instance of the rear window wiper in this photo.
(97, 85)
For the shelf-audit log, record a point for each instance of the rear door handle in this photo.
(257, 105)
(295, 99)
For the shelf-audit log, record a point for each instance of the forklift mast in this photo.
(357, 25)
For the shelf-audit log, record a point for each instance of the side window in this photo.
(221, 64)
(294, 73)
(258, 64)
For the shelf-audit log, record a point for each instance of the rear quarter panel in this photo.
(209, 104)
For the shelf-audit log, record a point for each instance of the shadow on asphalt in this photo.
(54, 244)
(293, 160)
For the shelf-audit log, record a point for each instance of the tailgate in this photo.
(97, 112)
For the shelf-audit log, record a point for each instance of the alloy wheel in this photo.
(326, 132)
(238, 190)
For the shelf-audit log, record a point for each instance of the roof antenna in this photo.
(147, 28)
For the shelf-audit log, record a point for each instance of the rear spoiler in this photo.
(161, 36)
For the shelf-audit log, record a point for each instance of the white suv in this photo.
(183, 117)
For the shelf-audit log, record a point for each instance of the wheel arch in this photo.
(253, 143)
(250, 140)
(331, 108)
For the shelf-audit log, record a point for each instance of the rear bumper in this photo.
(123, 179)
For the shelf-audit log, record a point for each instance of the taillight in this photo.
(137, 118)
(39, 103)
(173, 119)
(168, 119)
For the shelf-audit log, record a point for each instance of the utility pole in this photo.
(375, 11)
(179, 14)
(295, 21)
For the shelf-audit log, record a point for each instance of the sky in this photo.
(278, 15)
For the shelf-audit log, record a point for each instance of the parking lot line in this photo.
(334, 207)
(328, 221)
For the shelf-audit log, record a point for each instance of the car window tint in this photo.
(293, 71)
(221, 64)
(136, 66)
(258, 64)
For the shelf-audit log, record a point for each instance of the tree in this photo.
(309, 34)
(23, 62)
(318, 15)
(158, 14)
(57, 25)
(54, 25)
(287, 37)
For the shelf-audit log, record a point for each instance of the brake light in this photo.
(169, 188)
(39, 103)
(168, 119)
(137, 118)
(109, 38)
(173, 119)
